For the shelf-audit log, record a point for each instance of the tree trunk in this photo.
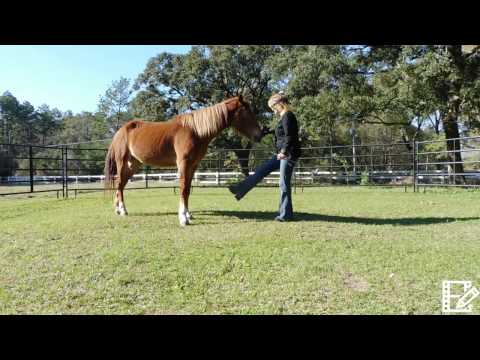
(450, 126)
(243, 156)
(450, 119)
(406, 140)
(5, 131)
(437, 123)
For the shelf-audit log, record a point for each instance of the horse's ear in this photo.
(240, 98)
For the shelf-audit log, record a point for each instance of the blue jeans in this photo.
(285, 208)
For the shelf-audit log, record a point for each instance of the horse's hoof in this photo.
(183, 219)
(121, 211)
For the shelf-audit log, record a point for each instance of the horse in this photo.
(182, 141)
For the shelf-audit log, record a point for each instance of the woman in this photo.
(288, 152)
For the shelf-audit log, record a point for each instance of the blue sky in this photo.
(72, 77)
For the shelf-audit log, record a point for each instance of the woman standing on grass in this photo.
(288, 152)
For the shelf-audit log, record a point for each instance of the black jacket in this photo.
(286, 136)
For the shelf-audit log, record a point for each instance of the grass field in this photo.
(351, 251)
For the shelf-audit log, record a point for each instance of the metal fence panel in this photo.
(32, 168)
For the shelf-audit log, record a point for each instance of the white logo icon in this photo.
(457, 296)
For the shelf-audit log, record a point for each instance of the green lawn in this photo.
(352, 251)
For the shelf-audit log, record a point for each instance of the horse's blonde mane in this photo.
(207, 121)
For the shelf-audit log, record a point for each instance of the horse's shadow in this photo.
(157, 213)
(303, 216)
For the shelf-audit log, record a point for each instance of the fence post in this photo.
(454, 163)
(146, 177)
(371, 172)
(30, 160)
(415, 161)
(66, 171)
(331, 165)
(63, 173)
(219, 157)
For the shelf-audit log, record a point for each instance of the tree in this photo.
(149, 105)
(47, 123)
(326, 88)
(448, 80)
(9, 110)
(208, 75)
(81, 130)
(24, 131)
(397, 86)
(83, 127)
(114, 104)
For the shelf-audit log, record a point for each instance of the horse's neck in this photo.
(226, 123)
(222, 124)
(229, 119)
(217, 133)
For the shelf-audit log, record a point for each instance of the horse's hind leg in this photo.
(120, 208)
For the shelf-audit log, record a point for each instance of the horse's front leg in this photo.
(189, 183)
(185, 172)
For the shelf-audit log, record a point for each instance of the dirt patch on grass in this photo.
(355, 282)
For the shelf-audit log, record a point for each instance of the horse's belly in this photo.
(155, 157)
(162, 161)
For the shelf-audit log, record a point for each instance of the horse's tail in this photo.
(110, 169)
(116, 152)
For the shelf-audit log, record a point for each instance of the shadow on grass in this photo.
(142, 214)
(301, 216)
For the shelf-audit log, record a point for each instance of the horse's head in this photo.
(243, 119)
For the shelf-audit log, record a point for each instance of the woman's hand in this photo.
(281, 156)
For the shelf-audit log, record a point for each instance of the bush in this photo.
(365, 178)
(7, 165)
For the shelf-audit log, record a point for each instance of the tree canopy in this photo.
(386, 92)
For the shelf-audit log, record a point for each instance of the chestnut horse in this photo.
(181, 141)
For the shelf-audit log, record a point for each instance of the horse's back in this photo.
(140, 123)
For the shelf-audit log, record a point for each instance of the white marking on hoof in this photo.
(182, 215)
(122, 209)
(189, 216)
(182, 218)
